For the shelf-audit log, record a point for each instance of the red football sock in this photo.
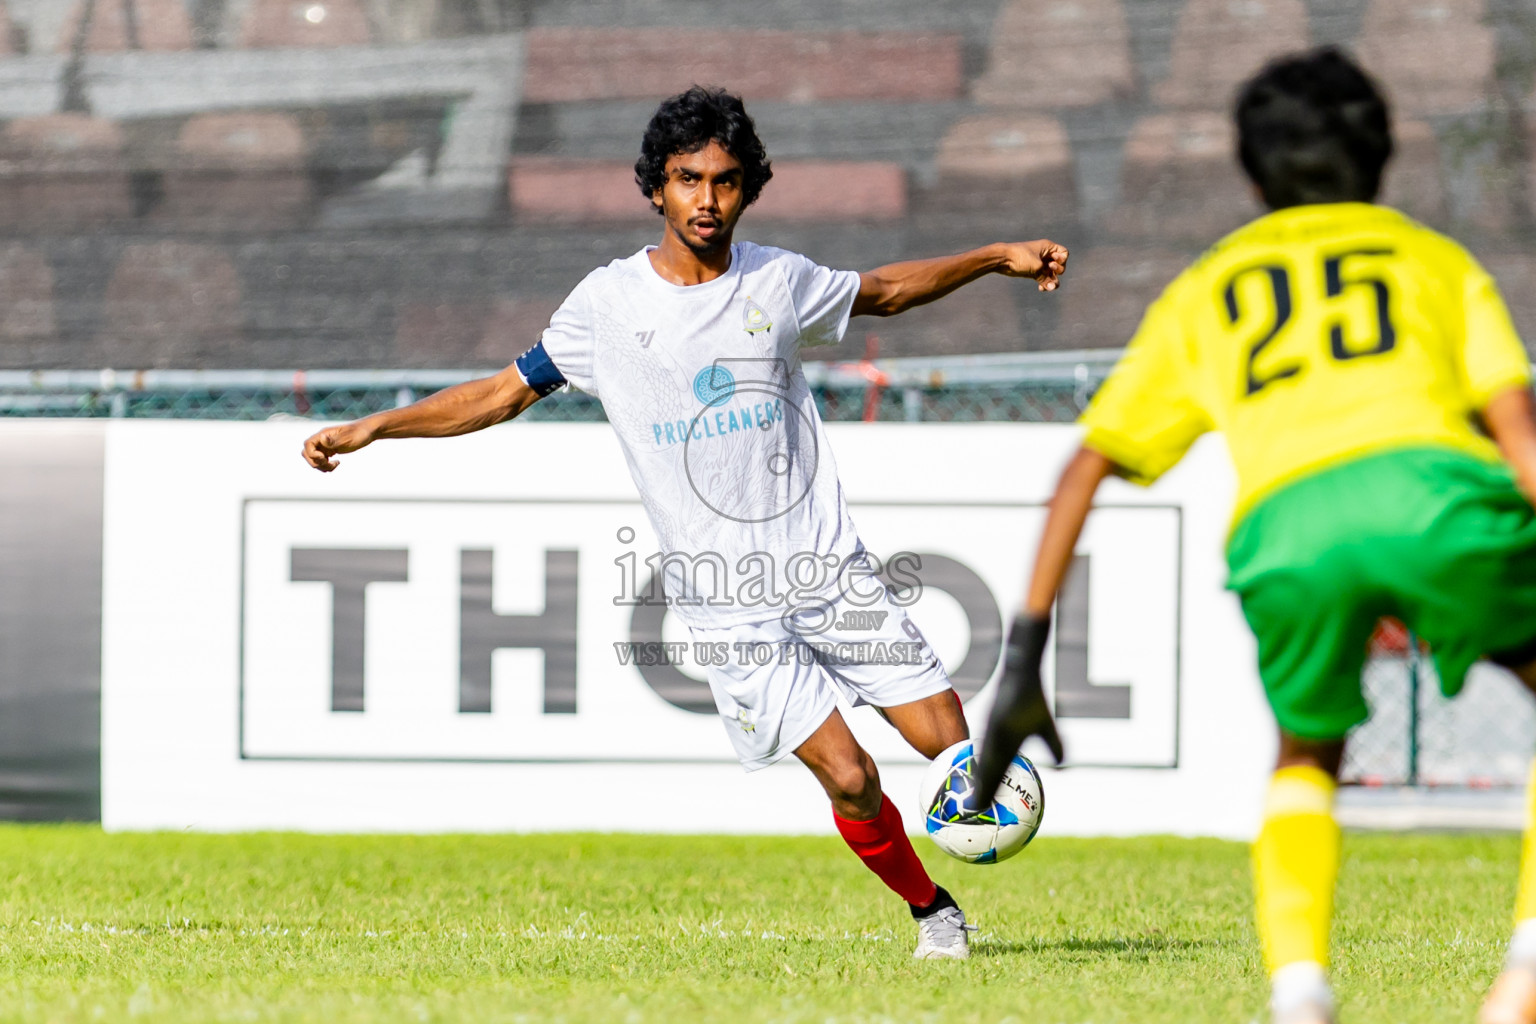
(883, 846)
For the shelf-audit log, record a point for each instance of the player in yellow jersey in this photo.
(1376, 401)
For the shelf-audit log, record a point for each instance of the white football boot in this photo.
(1300, 994)
(941, 930)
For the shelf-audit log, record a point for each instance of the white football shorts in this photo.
(782, 677)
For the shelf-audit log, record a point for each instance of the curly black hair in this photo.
(1313, 128)
(687, 123)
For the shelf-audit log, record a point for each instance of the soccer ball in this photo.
(980, 835)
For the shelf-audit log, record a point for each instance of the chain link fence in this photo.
(245, 395)
(1021, 387)
(1415, 737)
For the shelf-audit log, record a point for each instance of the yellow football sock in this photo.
(1295, 865)
(1525, 902)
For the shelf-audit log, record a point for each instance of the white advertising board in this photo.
(440, 636)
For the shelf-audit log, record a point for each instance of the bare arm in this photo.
(1069, 509)
(1511, 419)
(888, 290)
(461, 409)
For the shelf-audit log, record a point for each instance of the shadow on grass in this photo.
(1140, 947)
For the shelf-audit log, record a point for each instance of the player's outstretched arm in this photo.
(888, 290)
(461, 409)
(1020, 710)
(1511, 419)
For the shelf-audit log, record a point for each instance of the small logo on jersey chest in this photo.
(754, 319)
(714, 384)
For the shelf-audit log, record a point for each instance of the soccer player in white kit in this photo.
(693, 348)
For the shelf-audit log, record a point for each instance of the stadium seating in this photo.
(1414, 182)
(305, 23)
(63, 172)
(898, 128)
(170, 303)
(1109, 290)
(511, 327)
(1516, 274)
(576, 64)
(26, 303)
(410, 22)
(470, 334)
(240, 171)
(993, 310)
(1219, 43)
(555, 189)
(439, 334)
(823, 190)
(1179, 181)
(865, 130)
(974, 18)
(129, 25)
(1016, 162)
(1435, 56)
(1069, 54)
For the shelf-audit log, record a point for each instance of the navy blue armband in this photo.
(539, 371)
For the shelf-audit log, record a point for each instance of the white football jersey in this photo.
(704, 388)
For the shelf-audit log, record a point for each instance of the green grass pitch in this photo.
(182, 927)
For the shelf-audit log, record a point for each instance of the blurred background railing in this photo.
(1010, 387)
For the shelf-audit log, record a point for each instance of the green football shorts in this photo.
(1434, 537)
